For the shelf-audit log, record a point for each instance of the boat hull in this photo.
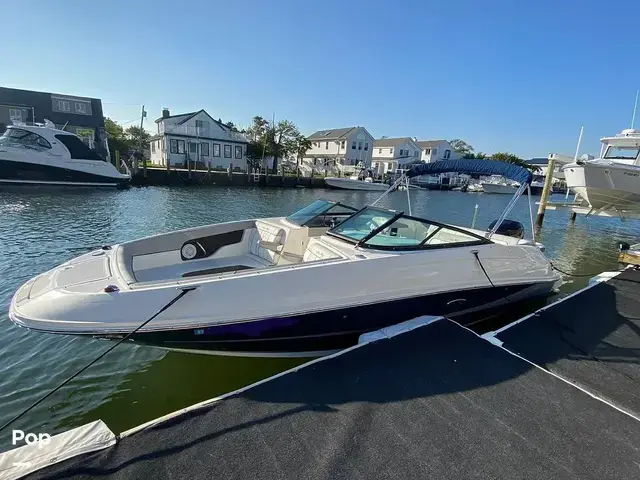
(350, 184)
(71, 173)
(497, 188)
(606, 184)
(324, 332)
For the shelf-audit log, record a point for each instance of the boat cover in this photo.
(473, 167)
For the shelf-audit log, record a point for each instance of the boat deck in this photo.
(435, 402)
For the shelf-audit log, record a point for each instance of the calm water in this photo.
(42, 228)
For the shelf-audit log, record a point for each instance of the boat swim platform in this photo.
(581, 209)
(555, 395)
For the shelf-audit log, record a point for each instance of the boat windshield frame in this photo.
(308, 220)
(621, 147)
(392, 217)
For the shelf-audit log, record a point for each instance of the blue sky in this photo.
(508, 75)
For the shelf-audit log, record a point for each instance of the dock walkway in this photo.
(553, 396)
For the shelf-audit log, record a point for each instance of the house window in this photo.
(202, 127)
(379, 150)
(326, 145)
(216, 149)
(435, 152)
(428, 151)
(415, 154)
(64, 105)
(353, 145)
(204, 148)
(153, 147)
(342, 144)
(193, 148)
(227, 151)
(359, 145)
(173, 146)
(447, 153)
(181, 148)
(81, 107)
(238, 152)
(391, 151)
(15, 114)
(366, 146)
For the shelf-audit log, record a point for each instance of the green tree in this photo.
(231, 126)
(514, 160)
(302, 144)
(461, 147)
(116, 137)
(135, 135)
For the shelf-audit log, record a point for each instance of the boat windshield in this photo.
(321, 213)
(622, 153)
(18, 137)
(388, 230)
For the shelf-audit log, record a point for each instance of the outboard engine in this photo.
(510, 228)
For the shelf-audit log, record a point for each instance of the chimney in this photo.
(165, 113)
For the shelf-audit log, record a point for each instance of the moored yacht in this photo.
(498, 184)
(355, 182)
(611, 181)
(302, 285)
(44, 155)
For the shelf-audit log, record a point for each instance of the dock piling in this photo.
(546, 191)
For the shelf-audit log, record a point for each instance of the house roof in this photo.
(331, 134)
(189, 116)
(429, 143)
(391, 142)
(538, 161)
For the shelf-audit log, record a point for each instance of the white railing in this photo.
(193, 131)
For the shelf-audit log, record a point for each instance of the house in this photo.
(80, 115)
(198, 139)
(339, 147)
(390, 153)
(435, 150)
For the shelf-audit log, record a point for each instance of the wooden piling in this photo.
(546, 192)
(117, 159)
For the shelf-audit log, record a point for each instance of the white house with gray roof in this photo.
(339, 148)
(390, 153)
(435, 150)
(197, 137)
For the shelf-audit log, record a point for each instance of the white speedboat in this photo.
(474, 188)
(43, 155)
(498, 184)
(301, 285)
(354, 183)
(611, 181)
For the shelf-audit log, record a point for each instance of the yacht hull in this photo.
(33, 173)
(605, 184)
(497, 188)
(350, 184)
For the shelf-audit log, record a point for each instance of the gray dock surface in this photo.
(437, 402)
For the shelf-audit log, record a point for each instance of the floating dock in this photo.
(554, 395)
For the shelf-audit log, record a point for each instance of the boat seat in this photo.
(266, 242)
(319, 251)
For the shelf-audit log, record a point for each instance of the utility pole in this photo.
(141, 146)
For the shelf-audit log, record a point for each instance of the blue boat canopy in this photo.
(473, 167)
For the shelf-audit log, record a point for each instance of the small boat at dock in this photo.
(284, 286)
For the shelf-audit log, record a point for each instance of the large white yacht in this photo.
(611, 181)
(43, 155)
